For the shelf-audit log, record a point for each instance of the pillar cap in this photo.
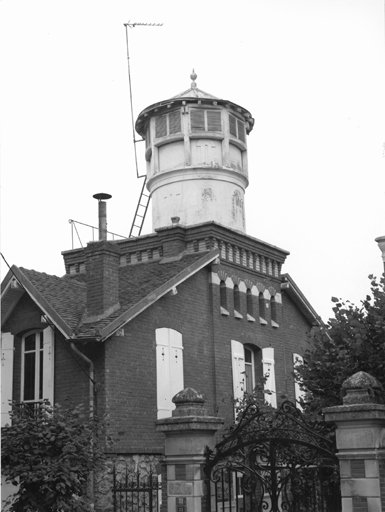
(362, 388)
(189, 414)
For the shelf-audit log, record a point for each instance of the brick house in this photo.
(197, 303)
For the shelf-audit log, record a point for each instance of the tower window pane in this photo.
(241, 130)
(233, 125)
(161, 126)
(197, 120)
(174, 122)
(214, 121)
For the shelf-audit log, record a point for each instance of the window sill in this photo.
(174, 137)
(206, 134)
(274, 324)
(224, 312)
(237, 142)
(237, 314)
(250, 318)
(262, 321)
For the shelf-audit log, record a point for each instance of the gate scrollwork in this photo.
(274, 460)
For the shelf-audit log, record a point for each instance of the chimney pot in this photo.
(101, 197)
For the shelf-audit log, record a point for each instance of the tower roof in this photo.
(193, 94)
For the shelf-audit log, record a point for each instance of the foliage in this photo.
(354, 340)
(253, 400)
(49, 453)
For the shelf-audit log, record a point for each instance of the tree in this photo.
(352, 341)
(49, 454)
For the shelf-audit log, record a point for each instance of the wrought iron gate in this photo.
(274, 461)
(136, 494)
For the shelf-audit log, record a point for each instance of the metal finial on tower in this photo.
(193, 77)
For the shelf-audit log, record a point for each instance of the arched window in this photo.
(223, 294)
(262, 306)
(244, 368)
(237, 298)
(249, 302)
(273, 306)
(37, 366)
(249, 370)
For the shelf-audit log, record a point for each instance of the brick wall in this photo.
(131, 363)
(207, 334)
(102, 266)
(125, 365)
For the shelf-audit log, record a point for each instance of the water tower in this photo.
(196, 154)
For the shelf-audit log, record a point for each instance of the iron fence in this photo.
(135, 493)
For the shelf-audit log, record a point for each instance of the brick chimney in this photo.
(102, 267)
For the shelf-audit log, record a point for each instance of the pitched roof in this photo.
(67, 297)
(64, 299)
(142, 285)
(291, 288)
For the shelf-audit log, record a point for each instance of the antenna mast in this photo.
(144, 198)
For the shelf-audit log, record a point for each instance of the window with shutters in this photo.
(249, 370)
(243, 369)
(237, 128)
(37, 366)
(168, 124)
(169, 369)
(205, 120)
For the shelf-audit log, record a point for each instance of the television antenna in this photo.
(144, 198)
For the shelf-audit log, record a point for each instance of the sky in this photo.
(311, 72)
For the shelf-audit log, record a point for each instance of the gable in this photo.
(24, 316)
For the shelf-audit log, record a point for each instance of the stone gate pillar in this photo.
(188, 432)
(360, 439)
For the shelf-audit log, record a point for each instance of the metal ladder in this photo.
(140, 213)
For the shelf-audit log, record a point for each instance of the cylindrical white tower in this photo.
(196, 157)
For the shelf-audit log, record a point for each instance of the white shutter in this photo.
(162, 371)
(268, 369)
(169, 369)
(238, 362)
(297, 359)
(176, 364)
(48, 364)
(6, 376)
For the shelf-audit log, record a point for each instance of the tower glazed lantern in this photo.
(196, 156)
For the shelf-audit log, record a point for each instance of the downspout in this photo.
(92, 404)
